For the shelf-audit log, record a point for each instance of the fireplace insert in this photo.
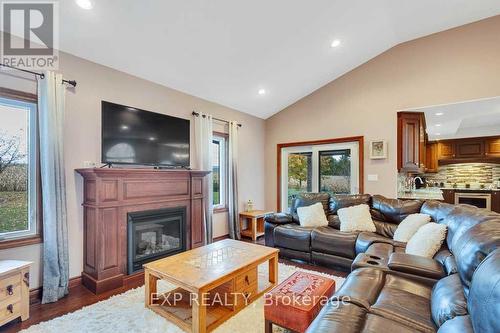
(155, 234)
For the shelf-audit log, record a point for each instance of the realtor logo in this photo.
(30, 34)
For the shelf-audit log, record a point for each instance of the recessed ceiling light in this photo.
(124, 127)
(152, 138)
(262, 92)
(438, 133)
(335, 43)
(439, 114)
(85, 4)
(438, 125)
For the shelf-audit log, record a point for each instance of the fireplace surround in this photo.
(111, 194)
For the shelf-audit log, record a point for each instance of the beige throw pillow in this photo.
(427, 240)
(356, 218)
(409, 226)
(312, 216)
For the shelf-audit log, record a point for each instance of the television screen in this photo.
(134, 136)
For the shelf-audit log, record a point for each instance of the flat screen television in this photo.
(135, 136)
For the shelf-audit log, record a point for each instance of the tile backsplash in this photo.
(466, 173)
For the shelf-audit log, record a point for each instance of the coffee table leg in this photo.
(199, 315)
(268, 326)
(273, 269)
(149, 286)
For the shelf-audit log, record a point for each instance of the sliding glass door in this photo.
(332, 168)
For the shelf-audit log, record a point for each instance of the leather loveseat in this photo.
(457, 291)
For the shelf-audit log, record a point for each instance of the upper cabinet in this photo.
(492, 147)
(431, 157)
(482, 149)
(411, 141)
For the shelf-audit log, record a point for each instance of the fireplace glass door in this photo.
(155, 234)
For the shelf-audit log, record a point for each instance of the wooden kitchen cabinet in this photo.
(492, 147)
(495, 201)
(431, 157)
(446, 150)
(411, 140)
(449, 196)
(469, 148)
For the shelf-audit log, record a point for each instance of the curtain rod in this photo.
(70, 82)
(223, 120)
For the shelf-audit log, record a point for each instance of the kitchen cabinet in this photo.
(446, 150)
(469, 148)
(449, 196)
(495, 201)
(411, 141)
(492, 147)
(431, 157)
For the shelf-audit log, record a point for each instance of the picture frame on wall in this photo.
(378, 149)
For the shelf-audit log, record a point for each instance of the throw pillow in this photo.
(356, 218)
(427, 240)
(312, 216)
(409, 226)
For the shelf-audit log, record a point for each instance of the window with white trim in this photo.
(219, 170)
(18, 169)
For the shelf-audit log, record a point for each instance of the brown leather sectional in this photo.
(388, 290)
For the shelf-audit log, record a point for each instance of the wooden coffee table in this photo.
(214, 283)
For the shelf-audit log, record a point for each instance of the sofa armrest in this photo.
(417, 265)
(279, 218)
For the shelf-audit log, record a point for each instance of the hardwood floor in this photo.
(80, 296)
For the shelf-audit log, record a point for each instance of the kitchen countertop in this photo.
(462, 189)
(422, 194)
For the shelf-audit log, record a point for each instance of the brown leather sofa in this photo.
(457, 291)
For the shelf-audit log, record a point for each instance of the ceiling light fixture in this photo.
(85, 4)
(438, 133)
(124, 127)
(438, 125)
(439, 114)
(335, 43)
(262, 92)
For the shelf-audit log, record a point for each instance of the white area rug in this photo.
(126, 313)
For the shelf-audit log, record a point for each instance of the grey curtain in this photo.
(233, 203)
(55, 229)
(203, 135)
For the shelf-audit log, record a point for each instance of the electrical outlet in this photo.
(89, 164)
(372, 178)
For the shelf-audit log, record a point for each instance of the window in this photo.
(219, 170)
(18, 168)
(308, 167)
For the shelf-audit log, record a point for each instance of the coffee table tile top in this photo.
(197, 268)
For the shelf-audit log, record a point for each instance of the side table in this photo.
(255, 223)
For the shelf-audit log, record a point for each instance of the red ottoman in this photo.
(294, 303)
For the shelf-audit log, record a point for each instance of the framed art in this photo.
(378, 149)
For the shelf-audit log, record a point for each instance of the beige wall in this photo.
(82, 140)
(454, 65)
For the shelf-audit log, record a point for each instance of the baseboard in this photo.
(36, 293)
(216, 239)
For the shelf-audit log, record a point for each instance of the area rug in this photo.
(126, 313)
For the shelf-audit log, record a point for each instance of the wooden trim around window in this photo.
(220, 210)
(38, 237)
(19, 95)
(359, 139)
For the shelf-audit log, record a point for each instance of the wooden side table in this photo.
(14, 290)
(255, 223)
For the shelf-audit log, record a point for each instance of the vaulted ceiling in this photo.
(226, 51)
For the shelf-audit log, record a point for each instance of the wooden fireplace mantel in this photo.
(110, 194)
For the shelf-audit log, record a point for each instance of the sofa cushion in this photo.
(347, 200)
(312, 216)
(332, 241)
(460, 324)
(292, 236)
(309, 198)
(427, 240)
(393, 210)
(365, 239)
(385, 229)
(447, 260)
(448, 299)
(409, 226)
(356, 218)
(484, 297)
